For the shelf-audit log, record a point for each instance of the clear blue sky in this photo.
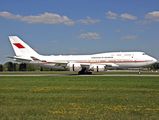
(80, 26)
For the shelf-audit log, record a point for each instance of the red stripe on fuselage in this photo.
(114, 61)
(35, 59)
(45, 63)
(102, 62)
(18, 45)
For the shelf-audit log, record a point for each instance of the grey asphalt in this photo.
(148, 75)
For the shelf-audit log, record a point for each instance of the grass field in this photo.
(93, 97)
(69, 72)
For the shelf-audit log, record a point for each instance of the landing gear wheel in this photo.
(88, 73)
(139, 71)
(84, 73)
(81, 72)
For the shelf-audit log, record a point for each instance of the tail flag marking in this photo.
(18, 45)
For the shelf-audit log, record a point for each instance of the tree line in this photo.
(9, 66)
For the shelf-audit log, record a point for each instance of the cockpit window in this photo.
(143, 53)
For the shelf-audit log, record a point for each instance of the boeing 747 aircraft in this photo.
(84, 64)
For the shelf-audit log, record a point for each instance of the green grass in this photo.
(69, 72)
(93, 97)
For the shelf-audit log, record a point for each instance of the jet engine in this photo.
(74, 67)
(99, 68)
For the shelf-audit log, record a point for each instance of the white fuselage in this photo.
(111, 60)
(82, 63)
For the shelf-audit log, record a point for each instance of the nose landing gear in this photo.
(139, 71)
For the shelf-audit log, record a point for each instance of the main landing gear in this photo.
(139, 71)
(84, 72)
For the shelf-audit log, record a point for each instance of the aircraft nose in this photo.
(154, 60)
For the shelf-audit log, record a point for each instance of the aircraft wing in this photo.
(85, 65)
(57, 62)
(111, 65)
(19, 59)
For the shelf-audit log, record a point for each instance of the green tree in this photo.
(154, 66)
(30, 67)
(10, 66)
(14, 66)
(22, 67)
(41, 68)
(1, 68)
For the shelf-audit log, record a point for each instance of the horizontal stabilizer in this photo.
(19, 59)
(9, 57)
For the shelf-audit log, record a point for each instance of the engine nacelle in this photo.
(99, 68)
(75, 67)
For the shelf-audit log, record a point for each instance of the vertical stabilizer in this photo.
(21, 48)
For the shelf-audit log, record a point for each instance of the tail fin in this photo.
(21, 48)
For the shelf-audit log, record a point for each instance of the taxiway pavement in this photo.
(148, 75)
